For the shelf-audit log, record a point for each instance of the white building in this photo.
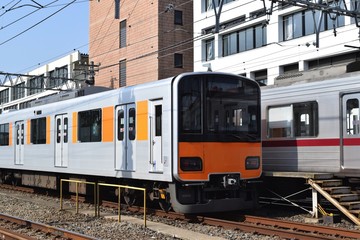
(249, 45)
(47, 80)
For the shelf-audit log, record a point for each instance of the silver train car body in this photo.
(133, 136)
(312, 126)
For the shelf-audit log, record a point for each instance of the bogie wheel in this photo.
(129, 196)
(165, 204)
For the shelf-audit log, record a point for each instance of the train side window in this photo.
(121, 125)
(58, 127)
(38, 131)
(306, 122)
(352, 117)
(158, 113)
(280, 121)
(4, 134)
(66, 129)
(89, 126)
(132, 125)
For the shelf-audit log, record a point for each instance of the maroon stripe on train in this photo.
(304, 143)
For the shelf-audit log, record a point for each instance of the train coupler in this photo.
(231, 180)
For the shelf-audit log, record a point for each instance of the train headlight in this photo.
(191, 164)
(252, 163)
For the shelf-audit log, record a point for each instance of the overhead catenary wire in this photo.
(22, 32)
(157, 35)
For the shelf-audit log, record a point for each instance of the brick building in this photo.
(132, 42)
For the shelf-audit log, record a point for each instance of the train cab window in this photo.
(352, 117)
(295, 120)
(38, 131)
(132, 125)
(4, 134)
(191, 103)
(89, 126)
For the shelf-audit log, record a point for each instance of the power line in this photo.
(2, 43)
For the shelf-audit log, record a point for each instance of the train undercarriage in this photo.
(221, 193)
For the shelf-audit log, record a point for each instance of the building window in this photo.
(258, 13)
(225, 25)
(123, 34)
(178, 17)
(4, 96)
(58, 77)
(333, 60)
(291, 68)
(230, 44)
(38, 131)
(4, 134)
(18, 91)
(89, 126)
(36, 85)
(117, 9)
(24, 105)
(122, 73)
(208, 4)
(261, 77)
(178, 60)
(243, 40)
(302, 23)
(209, 50)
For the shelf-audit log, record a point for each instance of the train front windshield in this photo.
(219, 108)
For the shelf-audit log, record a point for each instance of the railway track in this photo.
(267, 226)
(10, 235)
(57, 233)
(244, 223)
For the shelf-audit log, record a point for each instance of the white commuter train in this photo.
(313, 125)
(193, 141)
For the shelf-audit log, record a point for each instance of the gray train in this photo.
(193, 141)
(313, 124)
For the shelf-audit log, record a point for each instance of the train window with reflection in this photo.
(352, 117)
(296, 120)
(191, 104)
(219, 108)
(280, 120)
(89, 126)
(121, 125)
(4, 134)
(231, 108)
(38, 131)
(306, 122)
(132, 129)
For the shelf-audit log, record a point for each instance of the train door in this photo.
(156, 163)
(125, 137)
(61, 140)
(19, 142)
(350, 131)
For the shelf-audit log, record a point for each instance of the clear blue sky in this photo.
(46, 39)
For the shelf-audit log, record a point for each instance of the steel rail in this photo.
(319, 229)
(11, 235)
(46, 228)
(266, 226)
